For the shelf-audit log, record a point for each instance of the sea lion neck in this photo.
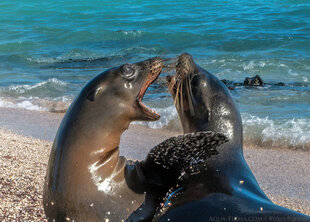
(83, 148)
(213, 109)
(92, 135)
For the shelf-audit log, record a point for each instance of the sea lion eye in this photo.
(128, 71)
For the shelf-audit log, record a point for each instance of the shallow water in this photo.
(49, 50)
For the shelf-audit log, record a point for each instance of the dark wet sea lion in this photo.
(86, 178)
(226, 189)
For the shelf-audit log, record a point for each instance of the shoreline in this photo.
(24, 157)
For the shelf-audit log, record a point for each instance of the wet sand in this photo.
(26, 139)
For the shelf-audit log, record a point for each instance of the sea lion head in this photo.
(203, 102)
(118, 92)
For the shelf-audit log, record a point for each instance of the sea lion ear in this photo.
(92, 95)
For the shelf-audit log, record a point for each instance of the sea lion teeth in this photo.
(155, 69)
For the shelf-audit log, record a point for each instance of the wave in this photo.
(133, 33)
(52, 86)
(52, 81)
(264, 132)
(84, 59)
(169, 119)
(24, 105)
(69, 58)
(56, 105)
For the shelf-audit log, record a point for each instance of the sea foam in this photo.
(169, 119)
(292, 133)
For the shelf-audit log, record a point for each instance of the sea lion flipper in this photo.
(151, 179)
(163, 166)
(147, 210)
(186, 150)
(134, 176)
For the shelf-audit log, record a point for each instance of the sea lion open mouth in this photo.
(155, 69)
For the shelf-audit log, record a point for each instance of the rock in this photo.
(280, 84)
(230, 84)
(254, 81)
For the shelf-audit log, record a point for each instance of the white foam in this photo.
(262, 64)
(168, 114)
(45, 60)
(292, 73)
(59, 104)
(289, 133)
(305, 79)
(23, 88)
(133, 32)
(24, 105)
(249, 66)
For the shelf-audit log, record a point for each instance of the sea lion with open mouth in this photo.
(86, 178)
(225, 188)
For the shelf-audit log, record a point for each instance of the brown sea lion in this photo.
(86, 178)
(225, 189)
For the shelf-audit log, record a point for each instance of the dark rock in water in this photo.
(280, 84)
(254, 81)
(230, 84)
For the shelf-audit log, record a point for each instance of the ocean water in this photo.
(50, 49)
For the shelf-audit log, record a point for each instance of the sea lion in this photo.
(86, 178)
(225, 189)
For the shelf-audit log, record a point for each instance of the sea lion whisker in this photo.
(181, 95)
(171, 85)
(177, 94)
(190, 95)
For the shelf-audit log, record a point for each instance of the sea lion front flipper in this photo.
(163, 167)
(147, 210)
(186, 150)
(149, 178)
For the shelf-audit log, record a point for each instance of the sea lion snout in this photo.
(156, 66)
(185, 65)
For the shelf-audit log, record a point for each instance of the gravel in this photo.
(23, 163)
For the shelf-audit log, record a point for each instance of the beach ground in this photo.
(26, 139)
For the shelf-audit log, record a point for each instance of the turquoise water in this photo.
(50, 49)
